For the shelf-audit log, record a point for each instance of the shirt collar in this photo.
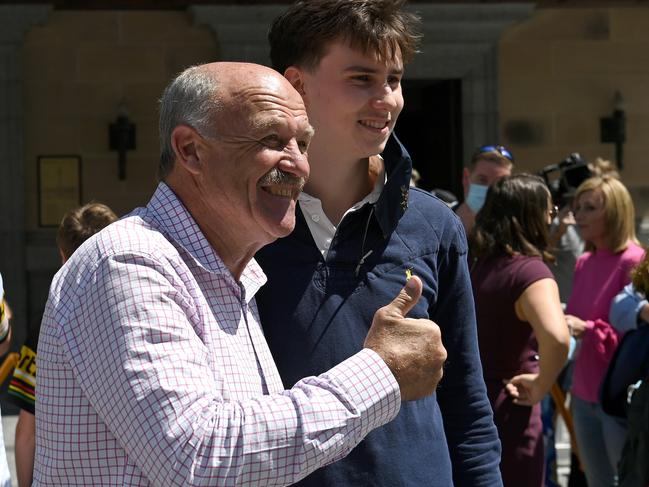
(390, 193)
(372, 197)
(379, 184)
(177, 223)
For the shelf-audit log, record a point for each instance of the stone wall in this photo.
(78, 67)
(559, 71)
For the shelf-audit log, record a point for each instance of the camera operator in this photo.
(566, 246)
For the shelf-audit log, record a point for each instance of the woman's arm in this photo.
(540, 306)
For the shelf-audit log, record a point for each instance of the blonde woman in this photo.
(606, 222)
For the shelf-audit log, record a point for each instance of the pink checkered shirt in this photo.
(153, 370)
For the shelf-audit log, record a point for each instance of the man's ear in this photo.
(295, 76)
(184, 142)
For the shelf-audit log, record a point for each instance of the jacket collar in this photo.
(393, 201)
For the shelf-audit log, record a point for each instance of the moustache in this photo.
(278, 177)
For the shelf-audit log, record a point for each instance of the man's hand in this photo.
(565, 218)
(412, 348)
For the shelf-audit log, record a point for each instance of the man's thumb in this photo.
(408, 296)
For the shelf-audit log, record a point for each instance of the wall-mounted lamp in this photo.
(613, 128)
(121, 136)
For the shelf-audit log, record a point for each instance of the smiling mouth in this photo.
(374, 124)
(282, 191)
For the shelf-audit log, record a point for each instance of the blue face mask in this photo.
(475, 198)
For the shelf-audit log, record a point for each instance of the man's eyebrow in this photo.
(366, 69)
(265, 123)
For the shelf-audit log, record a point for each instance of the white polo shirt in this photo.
(321, 228)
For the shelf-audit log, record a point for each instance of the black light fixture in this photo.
(121, 135)
(613, 129)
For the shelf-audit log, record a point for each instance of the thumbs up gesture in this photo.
(412, 348)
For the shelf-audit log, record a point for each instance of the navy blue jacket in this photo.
(316, 313)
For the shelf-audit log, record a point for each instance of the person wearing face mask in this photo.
(488, 164)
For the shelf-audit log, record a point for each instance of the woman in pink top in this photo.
(605, 218)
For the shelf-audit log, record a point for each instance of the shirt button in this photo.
(327, 243)
(315, 218)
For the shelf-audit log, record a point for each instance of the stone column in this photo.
(240, 30)
(15, 20)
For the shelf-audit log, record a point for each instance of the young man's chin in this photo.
(378, 149)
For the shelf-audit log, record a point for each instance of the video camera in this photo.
(564, 178)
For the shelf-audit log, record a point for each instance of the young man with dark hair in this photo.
(360, 231)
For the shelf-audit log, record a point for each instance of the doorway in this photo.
(430, 126)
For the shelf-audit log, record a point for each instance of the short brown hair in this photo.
(491, 156)
(299, 37)
(513, 220)
(79, 224)
(619, 212)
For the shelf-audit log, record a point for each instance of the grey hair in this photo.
(190, 99)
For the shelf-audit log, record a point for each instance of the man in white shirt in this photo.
(153, 368)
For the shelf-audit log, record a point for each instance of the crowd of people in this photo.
(514, 238)
(289, 308)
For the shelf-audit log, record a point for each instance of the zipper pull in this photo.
(361, 262)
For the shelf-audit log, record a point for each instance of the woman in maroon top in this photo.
(521, 328)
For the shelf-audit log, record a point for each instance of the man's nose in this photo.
(295, 161)
(386, 98)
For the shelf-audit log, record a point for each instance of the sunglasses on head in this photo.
(503, 151)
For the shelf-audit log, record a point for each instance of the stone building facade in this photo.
(532, 77)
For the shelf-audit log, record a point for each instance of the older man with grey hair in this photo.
(153, 368)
